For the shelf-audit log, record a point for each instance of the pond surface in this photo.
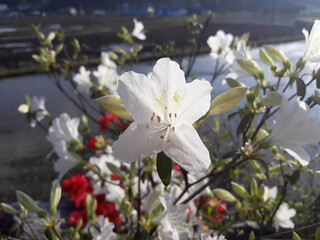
(23, 149)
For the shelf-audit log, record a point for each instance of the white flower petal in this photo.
(137, 93)
(135, 143)
(187, 149)
(168, 77)
(196, 102)
(298, 152)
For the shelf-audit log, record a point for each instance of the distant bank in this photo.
(16, 51)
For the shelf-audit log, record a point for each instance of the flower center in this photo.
(164, 126)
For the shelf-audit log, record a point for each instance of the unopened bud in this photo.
(224, 195)
(240, 190)
(55, 196)
(29, 204)
(8, 209)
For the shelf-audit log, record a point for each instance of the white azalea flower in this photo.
(171, 219)
(64, 128)
(282, 217)
(207, 236)
(293, 128)
(106, 61)
(242, 52)
(106, 230)
(66, 160)
(312, 52)
(107, 77)
(37, 105)
(164, 107)
(270, 193)
(220, 44)
(82, 80)
(138, 30)
(113, 191)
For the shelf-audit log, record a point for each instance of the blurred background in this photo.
(95, 23)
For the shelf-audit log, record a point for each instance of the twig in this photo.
(193, 55)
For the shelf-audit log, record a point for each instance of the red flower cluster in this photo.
(78, 186)
(110, 120)
(219, 209)
(96, 143)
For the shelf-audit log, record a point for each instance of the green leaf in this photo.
(265, 58)
(164, 168)
(255, 91)
(250, 66)
(271, 99)
(114, 169)
(114, 105)
(264, 165)
(229, 154)
(295, 236)
(227, 100)
(48, 234)
(243, 124)
(234, 83)
(295, 177)
(254, 187)
(301, 88)
(275, 53)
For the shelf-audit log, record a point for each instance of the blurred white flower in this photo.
(270, 193)
(220, 44)
(282, 217)
(106, 61)
(171, 219)
(164, 108)
(207, 236)
(138, 30)
(312, 52)
(242, 52)
(293, 128)
(107, 77)
(64, 128)
(113, 190)
(37, 106)
(82, 79)
(106, 230)
(61, 133)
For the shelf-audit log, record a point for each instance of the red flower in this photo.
(107, 120)
(107, 209)
(92, 144)
(77, 187)
(75, 216)
(96, 143)
(219, 208)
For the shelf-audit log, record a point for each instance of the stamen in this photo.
(175, 115)
(173, 129)
(147, 126)
(170, 115)
(158, 118)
